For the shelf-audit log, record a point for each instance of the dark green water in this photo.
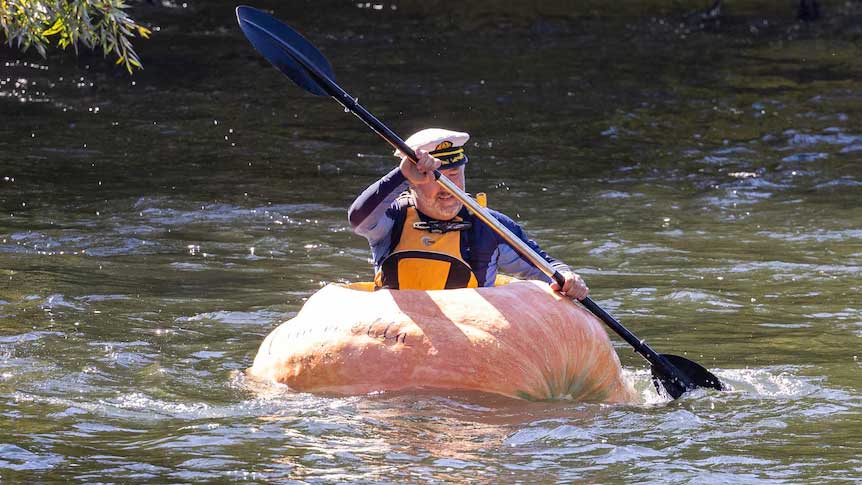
(154, 229)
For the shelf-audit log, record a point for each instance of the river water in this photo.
(704, 180)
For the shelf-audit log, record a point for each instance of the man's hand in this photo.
(574, 286)
(423, 171)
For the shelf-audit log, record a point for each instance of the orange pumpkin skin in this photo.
(520, 340)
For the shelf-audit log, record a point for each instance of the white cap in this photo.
(446, 143)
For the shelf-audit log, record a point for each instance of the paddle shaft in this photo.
(350, 103)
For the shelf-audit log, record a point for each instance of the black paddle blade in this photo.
(285, 48)
(696, 374)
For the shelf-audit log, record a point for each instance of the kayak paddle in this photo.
(305, 65)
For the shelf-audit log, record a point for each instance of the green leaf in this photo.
(54, 29)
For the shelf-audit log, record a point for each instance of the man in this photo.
(423, 238)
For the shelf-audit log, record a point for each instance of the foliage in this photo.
(94, 23)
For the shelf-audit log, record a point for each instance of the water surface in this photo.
(154, 229)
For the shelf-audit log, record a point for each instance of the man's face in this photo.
(434, 201)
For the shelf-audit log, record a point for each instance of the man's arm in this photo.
(367, 214)
(510, 261)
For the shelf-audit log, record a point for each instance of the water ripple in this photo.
(13, 457)
(260, 317)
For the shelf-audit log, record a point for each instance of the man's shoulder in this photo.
(398, 208)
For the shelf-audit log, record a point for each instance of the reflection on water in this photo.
(155, 229)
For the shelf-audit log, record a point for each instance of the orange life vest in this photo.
(424, 260)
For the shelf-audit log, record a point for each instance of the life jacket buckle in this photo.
(442, 227)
